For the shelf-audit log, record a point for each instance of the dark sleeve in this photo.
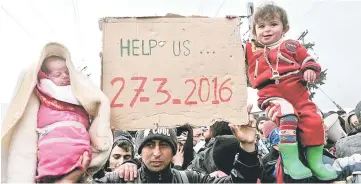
(177, 167)
(110, 177)
(113, 177)
(267, 172)
(246, 169)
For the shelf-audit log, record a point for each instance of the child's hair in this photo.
(50, 58)
(268, 12)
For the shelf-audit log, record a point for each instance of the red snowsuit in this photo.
(291, 92)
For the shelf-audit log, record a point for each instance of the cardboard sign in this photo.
(161, 71)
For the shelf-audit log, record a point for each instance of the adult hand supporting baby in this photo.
(77, 174)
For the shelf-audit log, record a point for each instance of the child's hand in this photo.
(309, 76)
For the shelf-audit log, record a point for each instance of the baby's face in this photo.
(58, 72)
(270, 31)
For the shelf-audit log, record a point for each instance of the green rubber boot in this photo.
(321, 171)
(291, 162)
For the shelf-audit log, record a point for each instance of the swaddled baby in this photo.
(62, 123)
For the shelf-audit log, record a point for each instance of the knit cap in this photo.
(268, 126)
(164, 134)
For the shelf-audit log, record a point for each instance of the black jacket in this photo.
(269, 162)
(220, 156)
(246, 169)
(208, 144)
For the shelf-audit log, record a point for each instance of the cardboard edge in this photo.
(168, 15)
(101, 69)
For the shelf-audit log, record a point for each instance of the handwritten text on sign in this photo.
(220, 93)
(132, 47)
(171, 71)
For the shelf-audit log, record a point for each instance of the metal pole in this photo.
(250, 10)
(338, 106)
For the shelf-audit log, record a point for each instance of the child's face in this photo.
(269, 31)
(58, 72)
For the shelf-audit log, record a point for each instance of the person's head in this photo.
(156, 147)
(218, 128)
(358, 111)
(123, 149)
(207, 134)
(185, 140)
(353, 120)
(260, 123)
(268, 127)
(56, 70)
(120, 153)
(185, 133)
(270, 23)
(197, 135)
(223, 151)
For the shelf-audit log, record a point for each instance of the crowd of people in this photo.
(342, 154)
(215, 154)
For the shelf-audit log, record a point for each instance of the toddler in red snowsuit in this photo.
(280, 70)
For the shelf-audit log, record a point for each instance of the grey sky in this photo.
(333, 25)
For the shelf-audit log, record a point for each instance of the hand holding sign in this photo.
(246, 134)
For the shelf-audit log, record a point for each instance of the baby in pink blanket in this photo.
(62, 123)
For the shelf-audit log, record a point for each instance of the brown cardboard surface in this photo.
(182, 50)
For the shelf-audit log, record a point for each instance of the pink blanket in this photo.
(62, 128)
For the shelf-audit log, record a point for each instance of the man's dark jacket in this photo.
(219, 157)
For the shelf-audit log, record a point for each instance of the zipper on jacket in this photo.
(256, 69)
(160, 177)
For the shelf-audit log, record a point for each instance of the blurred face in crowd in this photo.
(118, 156)
(207, 134)
(156, 155)
(197, 135)
(354, 121)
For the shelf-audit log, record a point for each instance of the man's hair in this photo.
(268, 12)
(50, 58)
(259, 119)
(125, 145)
(188, 145)
(221, 128)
